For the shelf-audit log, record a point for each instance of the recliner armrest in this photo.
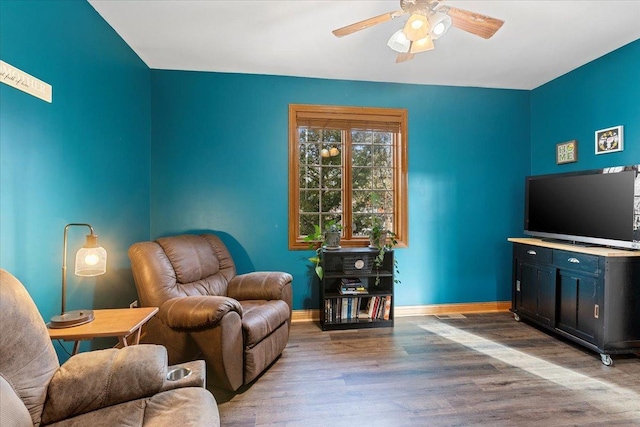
(196, 312)
(93, 380)
(260, 285)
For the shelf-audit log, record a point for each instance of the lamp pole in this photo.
(91, 260)
(64, 260)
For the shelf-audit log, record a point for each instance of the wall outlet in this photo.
(134, 304)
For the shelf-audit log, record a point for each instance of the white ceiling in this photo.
(539, 41)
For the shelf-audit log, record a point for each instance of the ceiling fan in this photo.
(428, 20)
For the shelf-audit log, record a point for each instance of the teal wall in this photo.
(220, 162)
(141, 154)
(598, 95)
(82, 158)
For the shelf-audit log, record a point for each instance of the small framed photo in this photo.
(567, 152)
(609, 140)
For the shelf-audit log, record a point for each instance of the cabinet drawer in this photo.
(534, 253)
(576, 261)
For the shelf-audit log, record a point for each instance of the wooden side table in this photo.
(118, 322)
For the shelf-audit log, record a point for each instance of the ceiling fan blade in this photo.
(403, 57)
(474, 23)
(349, 29)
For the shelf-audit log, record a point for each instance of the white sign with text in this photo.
(12, 76)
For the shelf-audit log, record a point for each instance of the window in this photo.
(348, 165)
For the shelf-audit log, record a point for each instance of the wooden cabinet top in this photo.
(593, 250)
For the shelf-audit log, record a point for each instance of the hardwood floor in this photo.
(483, 369)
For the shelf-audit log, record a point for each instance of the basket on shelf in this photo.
(357, 264)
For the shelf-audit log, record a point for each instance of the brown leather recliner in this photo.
(238, 323)
(126, 387)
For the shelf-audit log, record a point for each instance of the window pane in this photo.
(387, 202)
(362, 178)
(360, 202)
(361, 155)
(309, 135)
(360, 137)
(329, 160)
(360, 224)
(382, 179)
(309, 177)
(332, 178)
(331, 135)
(307, 224)
(331, 202)
(309, 153)
(385, 138)
(382, 156)
(309, 201)
(382, 202)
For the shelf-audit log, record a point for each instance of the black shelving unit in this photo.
(371, 309)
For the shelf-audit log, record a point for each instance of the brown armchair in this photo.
(100, 388)
(238, 323)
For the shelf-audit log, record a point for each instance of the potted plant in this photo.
(332, 234)
(377, 233)
(382, 240)
(317, 240)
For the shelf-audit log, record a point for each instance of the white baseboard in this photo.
(313, 315)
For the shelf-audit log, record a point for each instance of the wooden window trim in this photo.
(387, 118)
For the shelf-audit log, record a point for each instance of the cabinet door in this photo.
(537, 295)
(579, 312)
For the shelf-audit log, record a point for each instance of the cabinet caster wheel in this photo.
(516, 317)
(606, 359)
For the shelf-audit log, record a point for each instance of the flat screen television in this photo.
(600, 206)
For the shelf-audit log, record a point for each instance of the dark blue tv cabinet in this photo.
(589, 295)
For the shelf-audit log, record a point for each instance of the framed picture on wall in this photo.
(567, 152)
(609, 140)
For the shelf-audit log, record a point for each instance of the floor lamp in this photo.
(91, 260)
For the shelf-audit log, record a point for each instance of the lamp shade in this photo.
(91, 261)
(417, 27)
(399, 42)
(440, 23)
(422, 45)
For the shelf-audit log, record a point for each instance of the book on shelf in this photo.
(350, 286)
(372, 307)
(342, 310)
(380, 311)
(387, 307)
(352, 290)
(379, 308)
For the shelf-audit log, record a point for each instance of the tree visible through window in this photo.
(347, 165)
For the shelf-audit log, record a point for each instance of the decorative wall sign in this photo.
(567, 152)
(12, 76)
(609, 140)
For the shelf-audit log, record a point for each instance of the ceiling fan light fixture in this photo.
(417, 27)
(440, 23)
(422, 45)
(399, 42)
